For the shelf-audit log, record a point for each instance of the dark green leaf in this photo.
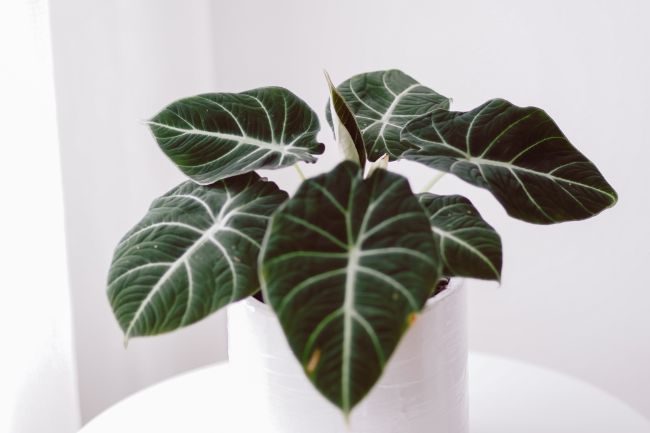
(382, 103)
(519, 154)
(195, 251)
(345, 264)
(469, 246)
(218, 135)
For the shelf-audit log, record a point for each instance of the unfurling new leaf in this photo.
(346, 130)
(382, 103)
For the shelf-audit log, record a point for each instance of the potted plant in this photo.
(347, 264)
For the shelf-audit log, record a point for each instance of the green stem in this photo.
(299, 170)
(433, 181)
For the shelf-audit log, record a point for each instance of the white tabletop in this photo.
(506, 396)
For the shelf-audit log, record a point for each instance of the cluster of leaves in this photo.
(349, 260)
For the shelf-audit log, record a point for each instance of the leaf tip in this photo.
(328, 79)
(497, 273)
(346, 418)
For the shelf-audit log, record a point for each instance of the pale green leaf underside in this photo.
(344, 264)
(194, 252)
(382, 103)
(519, 154)
(469, 246)
(218, 135)
(346, 130)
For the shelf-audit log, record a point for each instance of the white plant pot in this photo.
(423, 388)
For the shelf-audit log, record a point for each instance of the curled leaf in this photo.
(346, 130)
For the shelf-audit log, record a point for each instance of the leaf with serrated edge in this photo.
(382, 103)
(518, 154)
(344, 264)
(218, 135)
(346, 130)
(469, 246)
(194, 252)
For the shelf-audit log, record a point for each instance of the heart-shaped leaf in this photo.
(518, 154)
(382, 103)
(346, 130)
(346, 264)
(469, 246)
(218, 135)
(195, 251)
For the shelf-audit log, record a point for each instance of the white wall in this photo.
(38, 388)
(116, 64)
(574, 296)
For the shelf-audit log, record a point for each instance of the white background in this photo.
(38, 388)
(574, 297)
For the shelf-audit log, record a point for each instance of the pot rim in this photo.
(455, 285)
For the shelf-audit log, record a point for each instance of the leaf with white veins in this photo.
(194, 252)
(469, 246)
(518, 154)
(218, 135)
(345, 264)
(382, 103)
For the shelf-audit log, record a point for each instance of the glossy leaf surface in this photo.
(194, 252)
(382, 103)
(518, 154)
(218, 135)
(469, 246)
(346, 265)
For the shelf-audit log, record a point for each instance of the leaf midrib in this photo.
(449, 235)
(220, 222)
(284, 149)
(509, 166)
(348, 312)
(207, 236)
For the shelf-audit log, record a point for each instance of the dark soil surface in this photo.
(258, 296)
(442, 285)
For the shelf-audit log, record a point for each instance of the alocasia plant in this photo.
(352, 257)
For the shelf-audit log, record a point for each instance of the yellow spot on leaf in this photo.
(313, 361)
(410, 320)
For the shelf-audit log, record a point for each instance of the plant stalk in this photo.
(433, 181)
(299, 170)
